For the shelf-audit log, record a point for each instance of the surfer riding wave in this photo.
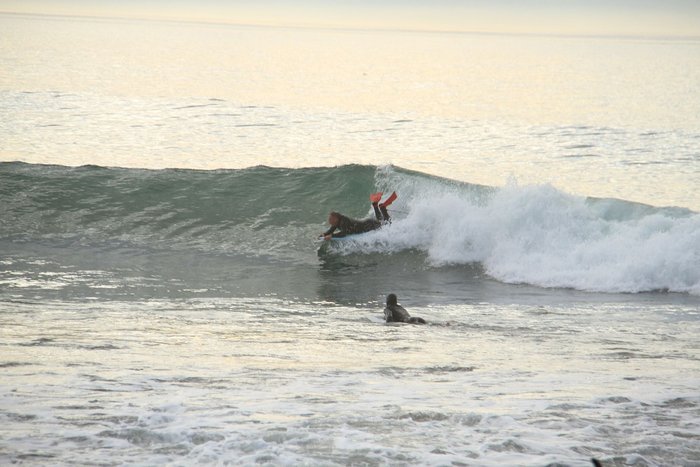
(348, 226)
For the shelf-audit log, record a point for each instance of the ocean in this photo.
(165, 297)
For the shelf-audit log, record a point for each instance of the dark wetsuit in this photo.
(395, 313)
(348, 226)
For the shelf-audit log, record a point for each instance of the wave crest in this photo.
(542, 236)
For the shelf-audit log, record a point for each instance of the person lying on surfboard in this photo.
(349, 226)
(395, 313)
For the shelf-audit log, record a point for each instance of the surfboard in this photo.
(340, 239)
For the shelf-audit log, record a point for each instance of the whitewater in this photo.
(165, 297)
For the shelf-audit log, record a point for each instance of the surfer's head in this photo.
(391, 299)
(334, 218)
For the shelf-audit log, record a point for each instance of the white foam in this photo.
(542, 236)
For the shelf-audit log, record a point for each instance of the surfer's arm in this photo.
(328, 234)
(388, 315)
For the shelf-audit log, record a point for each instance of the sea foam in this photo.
(542, 236)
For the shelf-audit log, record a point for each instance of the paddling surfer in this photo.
(348, 226)
(395, 313)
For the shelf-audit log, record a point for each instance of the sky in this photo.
(574, 17)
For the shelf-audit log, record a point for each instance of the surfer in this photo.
(349, 226)
(395, 313)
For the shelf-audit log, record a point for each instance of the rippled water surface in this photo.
(608, 117)
(255, 381)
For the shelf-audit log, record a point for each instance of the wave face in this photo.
(256, 211)
(535, 235)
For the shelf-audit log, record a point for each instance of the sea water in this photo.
(164, 297)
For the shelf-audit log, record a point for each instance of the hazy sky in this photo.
(607, 17)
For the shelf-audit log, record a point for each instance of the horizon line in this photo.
(665, 37)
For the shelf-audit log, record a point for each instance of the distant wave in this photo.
(518, 234)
